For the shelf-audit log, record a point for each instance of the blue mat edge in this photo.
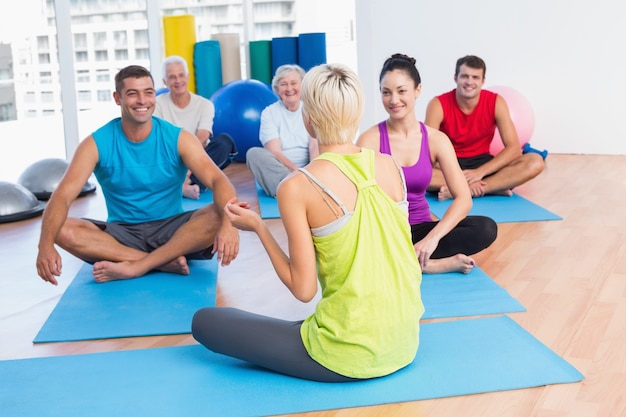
(573, 375)
(438, 209)
(268, 206)
(43, 336)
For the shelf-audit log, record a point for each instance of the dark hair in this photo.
(131, 71)
(404, 63)
(471, 61)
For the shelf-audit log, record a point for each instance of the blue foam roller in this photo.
(311, 50)
(207, 63)
(284, 51)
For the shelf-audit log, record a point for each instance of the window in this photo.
(84, 95)
(100, 39)
(143, 53)
(80, 40)
(102, 56)
(121, 55)
(44, 58)
(141, 37)
(103, 76)
(43, 44)
(120, 38)
(81, 56)
(82, 76)
(45, 77)
(104, 95)
(47, 96)
(7, 112)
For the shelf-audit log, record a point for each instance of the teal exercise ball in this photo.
(238, 107)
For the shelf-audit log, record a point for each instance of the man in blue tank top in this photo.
(140, 162)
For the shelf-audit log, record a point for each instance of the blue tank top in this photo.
(141, 181)
(417, 177)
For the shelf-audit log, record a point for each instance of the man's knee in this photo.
(253, 154)
(254, 151)
(534, 163)
(70, 234)
(221, 149)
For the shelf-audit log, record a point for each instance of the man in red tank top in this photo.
(469, 116)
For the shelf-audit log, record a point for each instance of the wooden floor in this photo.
(569, 274)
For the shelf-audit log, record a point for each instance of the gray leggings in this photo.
(268, 171)
(264, 341)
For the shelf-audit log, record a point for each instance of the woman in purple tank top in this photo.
(444, 245)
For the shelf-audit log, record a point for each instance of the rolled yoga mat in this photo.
(231, 56)
(284, 51)
(261, 61)
(207, 63)
(179, 34)
(311, 50)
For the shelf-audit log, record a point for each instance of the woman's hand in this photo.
(424, 249)
(241, 216)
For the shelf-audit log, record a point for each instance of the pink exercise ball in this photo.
(521, 113)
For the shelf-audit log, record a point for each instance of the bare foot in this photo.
(105, 271)
(506, 193)
(457, 263)
(444, 194)
(177, 266)
(191, 191)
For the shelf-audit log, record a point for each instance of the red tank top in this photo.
(471, 134)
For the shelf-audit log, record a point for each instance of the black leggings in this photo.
(470, 236)
(264, 341)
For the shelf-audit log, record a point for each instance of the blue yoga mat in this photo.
(459, 295)
(207, 63)
(268, 206)
(501, 209)
(455, 358)
(206, 198)
(157, 304)
(311, 50)
(284, 51)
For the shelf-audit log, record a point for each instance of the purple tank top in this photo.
(417, 177)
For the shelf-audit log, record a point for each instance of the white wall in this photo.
(564, 56)
(314, 16)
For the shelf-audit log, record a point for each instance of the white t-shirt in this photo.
(197, 115)
(288, 126)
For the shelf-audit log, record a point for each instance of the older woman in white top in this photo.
(286, 144)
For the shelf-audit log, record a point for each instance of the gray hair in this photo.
(174, 59)
(283, 70)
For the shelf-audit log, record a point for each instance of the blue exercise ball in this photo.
(238, 107)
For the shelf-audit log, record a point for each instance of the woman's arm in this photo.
(297, 272)
(442, 152)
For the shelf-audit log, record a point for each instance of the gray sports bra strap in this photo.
(325, 189)
(401, 172)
